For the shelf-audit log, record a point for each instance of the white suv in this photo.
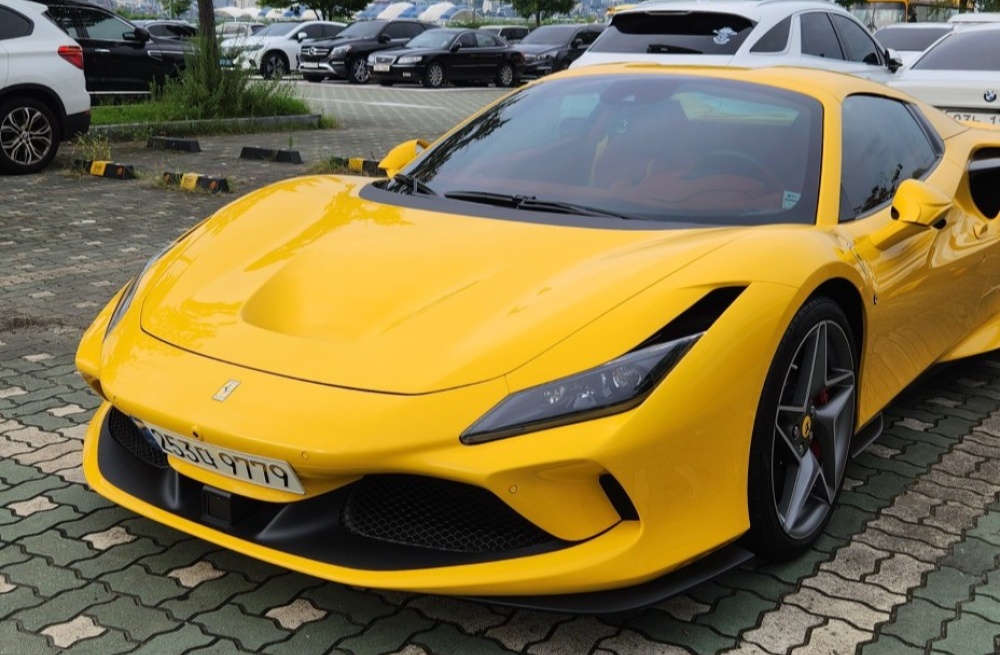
(748, 33)
(274, 50)
(43, 94)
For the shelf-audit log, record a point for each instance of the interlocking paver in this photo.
(138, 622)
(63, 607)
(387, 633)
(969, 634)
(250, 632)
(276, 591)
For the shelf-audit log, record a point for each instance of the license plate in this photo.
(381, 68)
(977, 117)
(262, 471)
(309, 64)
(225, 62)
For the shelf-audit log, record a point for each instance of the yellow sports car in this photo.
(617, 330)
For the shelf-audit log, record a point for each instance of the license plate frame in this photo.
(228, 462)
(381, 68)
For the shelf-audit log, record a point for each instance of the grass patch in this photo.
(331, 166)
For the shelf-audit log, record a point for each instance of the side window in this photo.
(776, 39)
(64, 18)
(860, 47)
(312, 31)
(13, 24)
(484, 40)
(818, 37)
(586, 37)
(467, 40)
(396, 30)
(884, 143)
(104, 26)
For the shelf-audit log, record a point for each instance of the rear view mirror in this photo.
(893, 60)
(402, 155)
(384, 38)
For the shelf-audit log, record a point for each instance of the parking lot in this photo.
(910, 562)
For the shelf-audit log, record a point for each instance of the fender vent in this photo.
(128, 435)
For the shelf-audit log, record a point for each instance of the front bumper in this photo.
(336, 69)
(407, 74)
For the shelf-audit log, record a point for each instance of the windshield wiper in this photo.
(410, 184)
(530, 203)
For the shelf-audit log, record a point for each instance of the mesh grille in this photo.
(127, 434)
(436, 514)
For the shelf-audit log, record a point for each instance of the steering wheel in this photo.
(736, 162)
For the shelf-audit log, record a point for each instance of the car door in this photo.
(461, 63)
(398, 34)
(925, 288)
(488, 55)
(119, 58)
(579, 44)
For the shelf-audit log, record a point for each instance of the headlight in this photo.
(340, 50)
(252, 48)
(126, 300)
(528, 58)
(615, 387)
(409, 59)
(371, 60)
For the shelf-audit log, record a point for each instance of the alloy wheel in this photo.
(359, 71)
(26, 136)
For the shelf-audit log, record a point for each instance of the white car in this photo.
(960, 74)
(748, 33)
(274, 50)
(908, 40)
(43, 94)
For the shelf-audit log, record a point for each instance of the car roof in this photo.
(746, 8)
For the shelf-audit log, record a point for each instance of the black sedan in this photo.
(119, 57)
(554, 47)
(455, 55)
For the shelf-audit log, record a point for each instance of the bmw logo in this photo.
(990, 96)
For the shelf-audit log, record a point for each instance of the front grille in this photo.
(384, 59)
(436, 514)
(128, 435)
(313, 53)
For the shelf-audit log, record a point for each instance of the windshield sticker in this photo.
(723, 36)
(789, 199)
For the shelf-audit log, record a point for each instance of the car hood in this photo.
(536, 48)
(308, 280)
(249, 41)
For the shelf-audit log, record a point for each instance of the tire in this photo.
(506, 76)
(273, 65)
(313, 78)
(357, 71)
(802, 432)
(29, 136)
(434, 76)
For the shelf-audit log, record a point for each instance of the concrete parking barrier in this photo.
(105, 169)
(171, 143)
(281, 155)
(359, 165)
(196, 181)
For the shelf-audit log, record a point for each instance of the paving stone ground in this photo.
(908, 564)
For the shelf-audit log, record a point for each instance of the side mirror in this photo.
(384, 38)
(141, 34)
(916, 207)
(893, 60)
(301, 36)
(455, 47)
(576, 43)
(402, 155)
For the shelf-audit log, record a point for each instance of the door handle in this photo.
(102, 51)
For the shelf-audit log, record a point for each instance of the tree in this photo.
(325, 9)
(208, 45)
(542, 8)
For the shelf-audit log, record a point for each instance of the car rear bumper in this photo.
(76, 124)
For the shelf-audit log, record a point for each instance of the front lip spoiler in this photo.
(612, 601)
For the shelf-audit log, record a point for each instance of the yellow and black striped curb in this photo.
(195, 181)
(105, 169)
(360, 165)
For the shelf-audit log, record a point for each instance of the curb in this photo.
(195, 181)
(107, 169)
(360, 165)
(280, 155)
(172, 143)
(139, 131)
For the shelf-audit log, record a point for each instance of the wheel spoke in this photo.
(800, 481)
(833, 425)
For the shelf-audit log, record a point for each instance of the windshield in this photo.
(876, 15)
(550, 35)
(277, 29)
(666, 148)
(695, 33)
(437, 39)
(910, 38)
(361, 30)
(971, 51)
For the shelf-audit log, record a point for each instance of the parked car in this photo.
(169, 29)
(445, 55)
(975, 17)
(908, 40)
(235, 29)
(345, 56)
(274, 50)
(119, 57)
(960, 74)
(620, 322)
(554, 47)
(512, 34)
(43, 92)
(746, 33)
